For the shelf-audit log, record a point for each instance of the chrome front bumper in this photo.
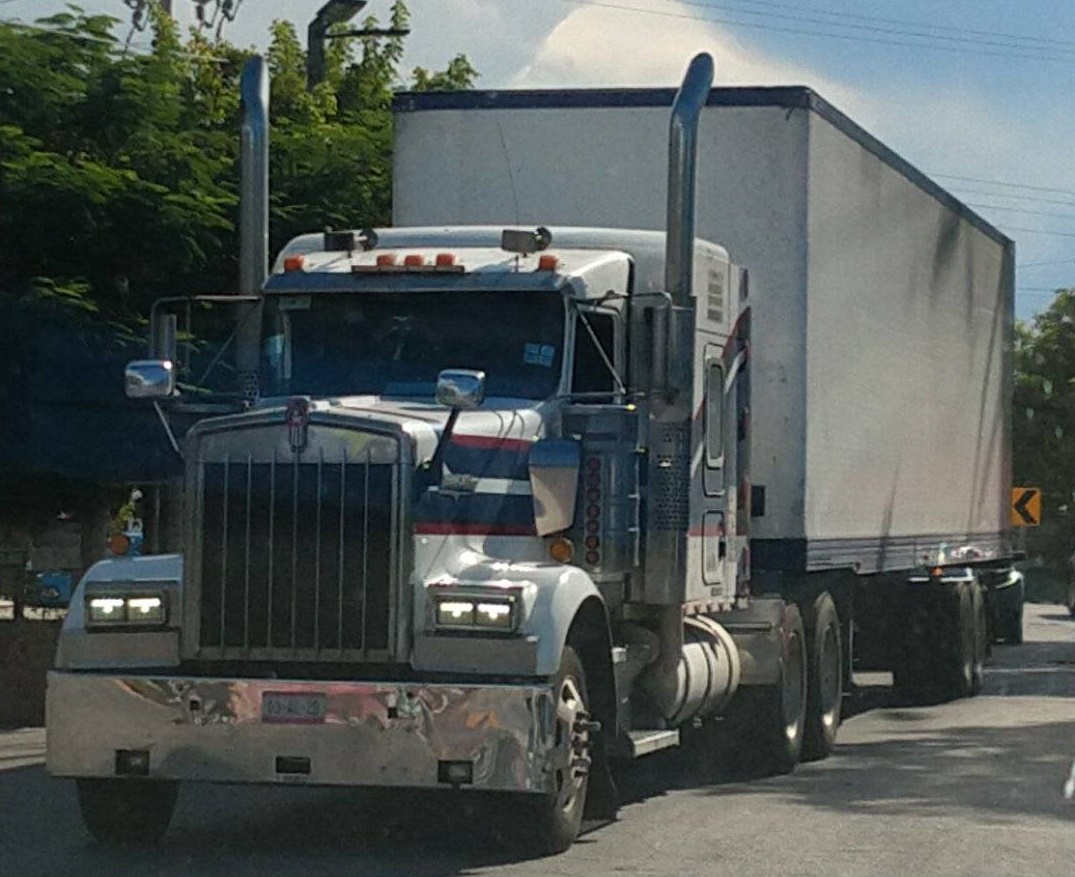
(370, 733)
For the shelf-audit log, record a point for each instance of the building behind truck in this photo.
(542, 477)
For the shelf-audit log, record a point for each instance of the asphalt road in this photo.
(967, 788)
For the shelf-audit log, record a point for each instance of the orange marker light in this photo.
(561, 550)
(294, 263)
(386, 260)
(414, 260)
(119, 544)
(445, 260)
(548, 262)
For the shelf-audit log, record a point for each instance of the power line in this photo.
(843, 15)
(1063, 234)
(1006, 184)
(845, 21)
(1022, 210)
(1025, 53)
(1022, 265)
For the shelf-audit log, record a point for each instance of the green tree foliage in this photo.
(118, 171)
(1044, 402)
(1043, 424)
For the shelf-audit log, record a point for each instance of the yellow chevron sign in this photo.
(1026, 506)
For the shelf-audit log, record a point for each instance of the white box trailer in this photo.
(882, 306)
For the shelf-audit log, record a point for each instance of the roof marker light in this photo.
(548, 262)
(414, 260)
(445, 260)
(386, 260)
(294, 263)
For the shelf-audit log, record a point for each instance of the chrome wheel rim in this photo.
(794, 689)
(572, 745)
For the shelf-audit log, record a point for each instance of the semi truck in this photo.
(541, 477)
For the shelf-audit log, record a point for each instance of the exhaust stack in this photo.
(682, 161)
(253, 217)
(254, 178)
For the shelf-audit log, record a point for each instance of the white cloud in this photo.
(596, 46)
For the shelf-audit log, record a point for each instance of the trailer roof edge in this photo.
(790, 97)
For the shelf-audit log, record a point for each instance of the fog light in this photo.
(496, 615)
(145, 610)
(454, 612)
(456, 773)
(106, 610)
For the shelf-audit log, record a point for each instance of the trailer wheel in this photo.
(963, 643)
(825, 689)
(557, 816)
(1012, 629)
(134, 812)
(981, 637)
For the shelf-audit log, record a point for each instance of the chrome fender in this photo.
(552, 596)
(79, 650)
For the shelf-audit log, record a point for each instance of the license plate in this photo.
(288, 708)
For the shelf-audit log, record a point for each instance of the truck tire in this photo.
(981, 637)
(1012, 631)
(556, 817)
(825, 688)
(133, 812)
(769, 721)
(962, 646)
(944, 643)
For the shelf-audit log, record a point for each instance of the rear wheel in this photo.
(135, 812)
(1013, 626)
(770, 720)
(944, 642)
(981, 637)
(962, 650)
(825, 689)
(557, 815)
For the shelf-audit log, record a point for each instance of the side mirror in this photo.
(460, 388)
(149, 379)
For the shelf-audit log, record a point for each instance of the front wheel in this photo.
(556, 817)
(134, 812)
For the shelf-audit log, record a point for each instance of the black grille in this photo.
(296, 557)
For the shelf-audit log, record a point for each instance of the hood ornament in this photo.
(297, 418)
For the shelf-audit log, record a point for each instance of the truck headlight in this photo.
(123, 610)
(475, 613)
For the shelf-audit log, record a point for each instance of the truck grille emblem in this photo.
(297, 419)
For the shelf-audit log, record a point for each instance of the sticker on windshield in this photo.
(539, 354)
(294, 302)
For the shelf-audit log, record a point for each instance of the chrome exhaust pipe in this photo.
(254, 178)
(253, 217)
(682, 162)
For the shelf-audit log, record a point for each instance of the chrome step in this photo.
(643, 742)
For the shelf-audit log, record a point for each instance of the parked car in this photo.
(1004, 596)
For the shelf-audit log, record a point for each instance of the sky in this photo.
(975, 93)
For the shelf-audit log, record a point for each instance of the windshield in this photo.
(396, 343)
